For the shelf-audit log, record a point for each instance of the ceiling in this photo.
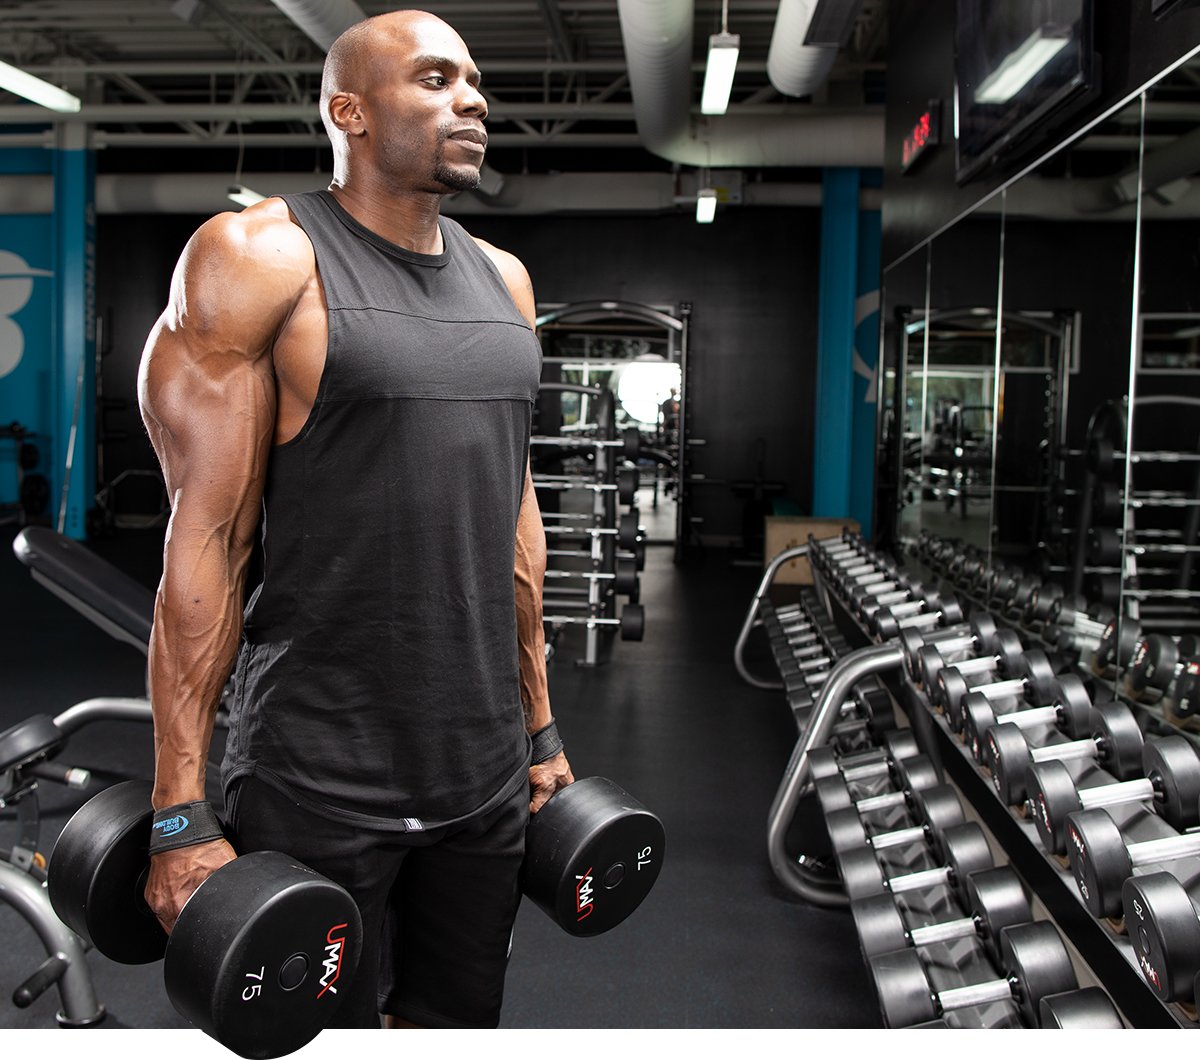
(207, 85)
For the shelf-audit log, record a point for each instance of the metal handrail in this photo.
(791, 872)
(752, 619)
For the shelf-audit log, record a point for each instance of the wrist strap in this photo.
(546, 744)
(184, 825)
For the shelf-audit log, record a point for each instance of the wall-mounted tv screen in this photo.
(1021, 67)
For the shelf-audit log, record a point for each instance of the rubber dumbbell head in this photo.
(1068, 709)
(963, 850)
(934, 809)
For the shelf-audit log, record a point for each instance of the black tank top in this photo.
(377, 678)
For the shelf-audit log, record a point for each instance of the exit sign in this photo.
(925, 133)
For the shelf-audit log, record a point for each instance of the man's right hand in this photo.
(175, 874)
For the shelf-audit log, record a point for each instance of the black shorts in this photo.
(437, 907)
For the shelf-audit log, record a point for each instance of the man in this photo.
(359, 373)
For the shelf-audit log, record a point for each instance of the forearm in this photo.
(529, 574)
(197, 625)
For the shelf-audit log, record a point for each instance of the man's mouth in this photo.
(470, 136)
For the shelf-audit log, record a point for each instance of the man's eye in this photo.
(437, 80)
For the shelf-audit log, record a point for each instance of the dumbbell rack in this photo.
(614, 550)
(1108, 953)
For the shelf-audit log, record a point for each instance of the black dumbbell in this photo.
(1102, 861)
(1184, 693)
(961, 848)
(979, 635)
(934, 810)
(1158, 660)
(1115, 744)
(912, 774)
(1118, 644)
(938, 609)
(1088, 1008)
(1069, 710)
(1035, 963)
(1171, 783)
(1031, 676)
(255, 931)
(1041, 602)
(1161, 919)
(994, 898)
(826, 762)
(1002, 653)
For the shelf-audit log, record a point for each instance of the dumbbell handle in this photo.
(891, 599)
(817, 661)
(1169, 848)
(1116, 794)
(862, 568)
(879, 768)
(1013, 686)
(948, 931)
(898, 838)
(980, 665)
(925, 620)
(1064, 752)
(958, 643)
(908, 607)
(979, 994)
(882, 588)
(918, 881)
(1025, 719)
(881, 802)
(872, 577)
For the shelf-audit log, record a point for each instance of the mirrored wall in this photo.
(1040, 391)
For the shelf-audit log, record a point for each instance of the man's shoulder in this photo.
(508, 264)
(263, 236)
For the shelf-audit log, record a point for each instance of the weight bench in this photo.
(124, 609)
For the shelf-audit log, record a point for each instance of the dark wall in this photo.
(1133, 47)
(752, 280)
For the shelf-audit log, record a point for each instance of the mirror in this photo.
(958, 429)
(1155, 542)
(898, 458)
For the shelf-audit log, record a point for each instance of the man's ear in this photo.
(345, 110)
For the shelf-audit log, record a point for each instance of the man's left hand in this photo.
(546, 778)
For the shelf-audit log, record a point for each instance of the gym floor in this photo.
(716, 945)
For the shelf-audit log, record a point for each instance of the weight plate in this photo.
(1086, 1009)
(833, 794)
(846, 830)
(938, 808)
(97, 874)
(901, 744)
(1053, 794)
(948, 692)
(917, 773)
(964, 850)
(1173, 768)
(1164, 933)
(633, 622)
(1036, 962)
(862, 875)
(879, 925)
(1074, 704)
(902, 988)
(996, 900)
(259, 952)
(1007, 756)
(1099, 861)
(1119, 740)
(592, 854)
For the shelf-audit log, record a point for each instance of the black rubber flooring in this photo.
(716, 945)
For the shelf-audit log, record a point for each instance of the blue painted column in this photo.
(866, 367)
(832, 431)
(73, 373)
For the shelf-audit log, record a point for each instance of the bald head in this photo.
(354, 59)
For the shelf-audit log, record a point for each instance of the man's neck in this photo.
(409, 221)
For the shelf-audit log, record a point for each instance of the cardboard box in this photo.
(788, 531)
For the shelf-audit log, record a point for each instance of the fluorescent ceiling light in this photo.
(1020, 67)
(718, 75)
(244, 196)
(37, 90)
(706, 205)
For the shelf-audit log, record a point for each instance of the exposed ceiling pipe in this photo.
(793, 67)
(657, 35)
(323, 20)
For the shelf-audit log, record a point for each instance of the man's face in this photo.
(425, 110)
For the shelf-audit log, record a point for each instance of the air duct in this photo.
(793, 67)
(658, 50)
(323, 20)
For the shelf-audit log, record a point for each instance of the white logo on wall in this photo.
(16, 288)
